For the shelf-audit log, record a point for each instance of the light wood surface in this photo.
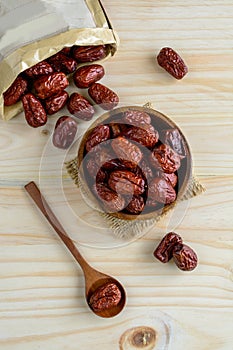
(42, 288)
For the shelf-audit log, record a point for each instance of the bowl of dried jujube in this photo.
(134, 162)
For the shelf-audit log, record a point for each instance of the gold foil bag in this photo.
(33, 31)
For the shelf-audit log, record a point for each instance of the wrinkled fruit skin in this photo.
(136, 118)
(34, 112)
(64, 132)
(49, 85)
(146, 135)
(54, 103)
(41, 68)
(161, 191)
(136, 205)
(103, 96)
(184, 257)
(146, 170)
(80, 107)
(105, 297)
(119, 164)
(85, 76)
(126, 182)
(172, 178)
(163, 157)
(172, 138)
(99, 134)
(127, 150)
(172, 63)
(62, 63)
(111, 201)
(165, 248)
(89, 53)
(14, 93)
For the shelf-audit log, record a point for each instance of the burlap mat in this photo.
(132, 228)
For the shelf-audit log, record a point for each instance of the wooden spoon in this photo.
(93, 278)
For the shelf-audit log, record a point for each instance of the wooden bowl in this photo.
(160, 122)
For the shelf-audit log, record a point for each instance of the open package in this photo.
(33, 31)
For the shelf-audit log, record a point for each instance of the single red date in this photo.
(105, 297)
(146, 170)
(146, 135)
(173, 138)
(41, 68)
(103, 96)
(126, 183)
(34, 112)
(136, 205)
(163, 157)
(14, 93)
(49, 85)
(85, 76)
(64, 132)
(99, 134)
(89, 53)
(62, 63)
(111, 201)
(164, 250)
(172, 62)
(136, 118)
(161, 190)
(172, 178)
(54, 103)
(126, 150)
(185, 257)
(80, 107)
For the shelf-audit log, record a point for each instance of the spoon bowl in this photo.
(94, 279)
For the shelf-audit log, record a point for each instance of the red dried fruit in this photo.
(185, 257)
(99, 134)
(163, 157)
(126, 150)
(41, 68)
(89, 53)
(161, 191)
(105, 297)
(80, 107)
(34, 112)
(14, 93)
(164, 250)
(103, 96)
(136, 205)
(136, 118)
(173, 138)
(146, 135)
(54, 103)
(172, 62)
(64, 132)
(49, 85)
(111, 201)
(85, 76)
(125, 182)
(62, 63)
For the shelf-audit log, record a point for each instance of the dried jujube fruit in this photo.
(64, 132)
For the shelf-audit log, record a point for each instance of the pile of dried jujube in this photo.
(131, 164)
(41, 89)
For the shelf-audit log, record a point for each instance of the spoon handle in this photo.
(44, 207)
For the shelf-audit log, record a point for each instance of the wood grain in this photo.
(42, 288)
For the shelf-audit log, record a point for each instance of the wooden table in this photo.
(42, 304)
